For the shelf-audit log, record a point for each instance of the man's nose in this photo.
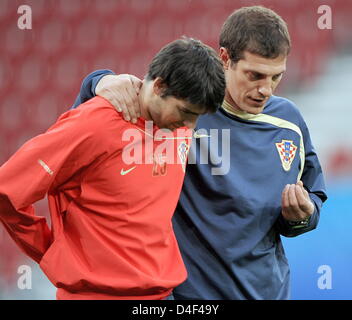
(265, 89)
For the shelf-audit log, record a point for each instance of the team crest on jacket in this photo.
(182, 154)
(287, 152)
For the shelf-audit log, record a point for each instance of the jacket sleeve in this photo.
(38, 167)
(313, 181)
(88, 86)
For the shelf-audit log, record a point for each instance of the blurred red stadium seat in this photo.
(11, 113)
(123, 34)
(340, 162)
(46, 111)
(106, 8)
(53, 37)
(5, 75)
(87, 34)
(67, 71)
(71, 9)
(5, 9)
(15, 41)
(31, 73)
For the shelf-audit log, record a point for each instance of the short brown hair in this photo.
(256, 29)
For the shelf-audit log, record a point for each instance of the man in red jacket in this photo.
(113, 186)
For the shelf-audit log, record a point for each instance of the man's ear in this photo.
(225, 57)
(158, 86)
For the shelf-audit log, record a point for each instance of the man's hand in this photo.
(296, 204)
(122, 92)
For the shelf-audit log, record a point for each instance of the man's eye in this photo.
(188, 114)
(253, 76)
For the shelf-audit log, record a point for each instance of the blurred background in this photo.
(41, 70)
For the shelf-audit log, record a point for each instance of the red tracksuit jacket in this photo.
(111, 234)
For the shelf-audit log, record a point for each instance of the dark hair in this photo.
(191, 71)
(257, 30)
